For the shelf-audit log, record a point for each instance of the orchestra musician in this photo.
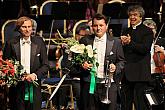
(157, 47)
(31, 52)
(137, 41)
(157, 64)
(108, 49)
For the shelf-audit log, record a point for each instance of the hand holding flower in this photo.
(30, 77)
(87, 65)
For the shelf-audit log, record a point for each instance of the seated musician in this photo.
(157, 64)
(157, 48)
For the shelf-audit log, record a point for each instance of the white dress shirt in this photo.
(25, 46)
(100, 45)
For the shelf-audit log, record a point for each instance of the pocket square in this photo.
(38, 54)
(111, 53)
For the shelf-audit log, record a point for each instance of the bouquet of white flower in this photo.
(83, 54)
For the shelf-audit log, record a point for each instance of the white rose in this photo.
(89, 50)
(78, 48)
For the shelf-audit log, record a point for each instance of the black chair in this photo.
(8, 30)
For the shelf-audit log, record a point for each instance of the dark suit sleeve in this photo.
(120, 60)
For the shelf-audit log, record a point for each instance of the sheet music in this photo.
(151, 101)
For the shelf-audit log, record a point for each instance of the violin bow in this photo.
(158, 33)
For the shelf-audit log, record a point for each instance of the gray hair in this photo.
(150, 22)
(137, 8)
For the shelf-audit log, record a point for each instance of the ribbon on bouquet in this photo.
(28, 91)
(93, 80)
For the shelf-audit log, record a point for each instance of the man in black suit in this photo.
(136, 40)
(108, 49)
(31, 52)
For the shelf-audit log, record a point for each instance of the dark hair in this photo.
(82, 26)
(99, 16)
(137, 8)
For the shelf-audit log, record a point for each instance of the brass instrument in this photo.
(106, 99)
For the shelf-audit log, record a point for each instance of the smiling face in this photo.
(99, 27)
(134, 17)
(26, 29)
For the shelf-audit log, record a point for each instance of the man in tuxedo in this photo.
(136, 40)
(109, 55)
(31, 52)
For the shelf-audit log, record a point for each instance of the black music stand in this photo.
(9, 9)
(117, 10)
(67, 10)
(77, 10)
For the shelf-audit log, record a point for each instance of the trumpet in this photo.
(106, 99)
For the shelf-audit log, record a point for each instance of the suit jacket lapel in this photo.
(33, 53)
(109, 46)
(17, 50)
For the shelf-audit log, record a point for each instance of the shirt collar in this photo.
(134, 27)
(102, 39)
(23, 41)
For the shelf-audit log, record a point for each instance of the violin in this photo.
(159, 58)
(159, 62)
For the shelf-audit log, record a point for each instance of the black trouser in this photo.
(133, 92)
(93, 101)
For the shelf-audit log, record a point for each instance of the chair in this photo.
(49, 83)
(55, 83)
(8, 30)
(116, 1)
(47, 8)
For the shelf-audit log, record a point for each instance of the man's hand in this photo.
(86, 65)
(30, 77)
(159, 49)
(112, 68)
(125, 39)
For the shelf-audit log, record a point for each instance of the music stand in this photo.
(77, 10)
(9, 9)
(66, 10)
(116, 29)
(117, 10)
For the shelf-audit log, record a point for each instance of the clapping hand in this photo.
(125, 39)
